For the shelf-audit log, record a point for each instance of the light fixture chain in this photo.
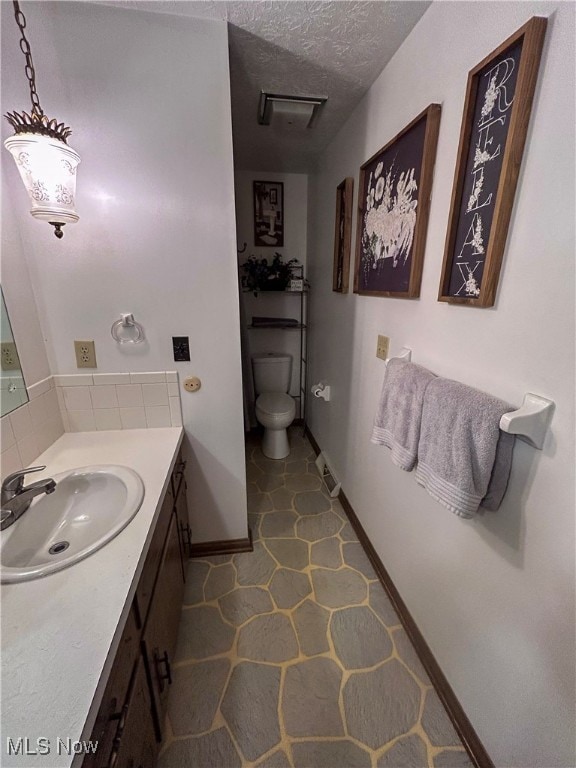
(29, 68)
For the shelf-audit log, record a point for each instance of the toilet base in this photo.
(275, 443)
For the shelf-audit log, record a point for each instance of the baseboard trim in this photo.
(224, 547)
(460, 721)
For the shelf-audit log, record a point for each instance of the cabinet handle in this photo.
(186, 532)
(168, 673)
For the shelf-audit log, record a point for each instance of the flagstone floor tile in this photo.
(292, 656)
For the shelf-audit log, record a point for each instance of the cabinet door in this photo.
(159, 639)
(148, 577)
(115, 695)
(135, 744)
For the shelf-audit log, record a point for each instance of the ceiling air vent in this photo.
(289, 111)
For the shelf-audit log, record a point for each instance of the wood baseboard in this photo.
(225, 547)
(460, 721)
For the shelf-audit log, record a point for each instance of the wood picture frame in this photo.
(393, 207)
(268, 199)
(343, 235)
(499, 97)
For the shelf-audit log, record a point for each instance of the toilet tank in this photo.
(272, 372)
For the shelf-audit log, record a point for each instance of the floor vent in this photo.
(327, 474)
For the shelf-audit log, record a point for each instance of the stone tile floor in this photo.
(292, 655)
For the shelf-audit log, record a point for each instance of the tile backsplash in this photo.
(119, 400)
(32, 428)
(87, 402)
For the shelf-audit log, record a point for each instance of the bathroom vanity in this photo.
(87, 651)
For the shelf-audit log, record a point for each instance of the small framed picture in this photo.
(393, 206)
(342, 235)
(269, 214)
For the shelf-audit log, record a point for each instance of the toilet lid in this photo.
(275, 402)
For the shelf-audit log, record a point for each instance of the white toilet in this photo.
(275, 409)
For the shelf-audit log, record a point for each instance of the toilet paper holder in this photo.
(321, 390)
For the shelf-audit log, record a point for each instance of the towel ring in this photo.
(127, 330)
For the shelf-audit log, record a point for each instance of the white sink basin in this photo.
(89, 507)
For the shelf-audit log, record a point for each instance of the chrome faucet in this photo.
(16, 498)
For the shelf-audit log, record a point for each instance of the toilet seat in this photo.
(276, 405)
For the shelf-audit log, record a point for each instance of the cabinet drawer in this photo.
(148, 578)
(115, 694)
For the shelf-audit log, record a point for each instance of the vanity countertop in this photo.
(60, 632)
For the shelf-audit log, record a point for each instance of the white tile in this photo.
(110, 378)
(158, 416)
(60, 396)
(173, 390)
(108, 418)
(104, 396)
(175, 412)
(155, 394)
(51, 403)
(154, 377)
(28, 449)
(44, 437)
(55, 427)
(40, 388)
(7, 438)
(77, 398)
(38, 411)
(11, 461)
(21, 422)
(133, 418)
(65, 421)
(73, 380)
(81, 421)
(129, 395)
(172, 376)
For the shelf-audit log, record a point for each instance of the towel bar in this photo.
(404, 354)
(529, 422)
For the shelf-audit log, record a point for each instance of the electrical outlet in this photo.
(383, 347)
(9, 356)
(85, 354)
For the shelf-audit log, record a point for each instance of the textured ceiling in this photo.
(315, 48)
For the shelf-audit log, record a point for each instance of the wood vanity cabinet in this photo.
(130, 722)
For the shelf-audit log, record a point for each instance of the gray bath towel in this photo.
(397, 423)
(464, 459)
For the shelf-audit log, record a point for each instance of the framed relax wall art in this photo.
(393, 206)
(342, 235)
(497, 109)
(269, 213)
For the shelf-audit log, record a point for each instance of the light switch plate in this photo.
(85, 354)
(382, 347)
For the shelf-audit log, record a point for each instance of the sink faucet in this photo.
(16, 498)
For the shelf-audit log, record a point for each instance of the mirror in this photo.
(13, 392)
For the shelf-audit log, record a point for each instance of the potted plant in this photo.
(261, 276)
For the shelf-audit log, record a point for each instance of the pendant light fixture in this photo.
(47, 165)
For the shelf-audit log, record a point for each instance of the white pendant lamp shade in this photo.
(47, 167)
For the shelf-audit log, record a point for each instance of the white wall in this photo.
(19, 296)
(494, 597)
(148, 99)
(295, 247)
